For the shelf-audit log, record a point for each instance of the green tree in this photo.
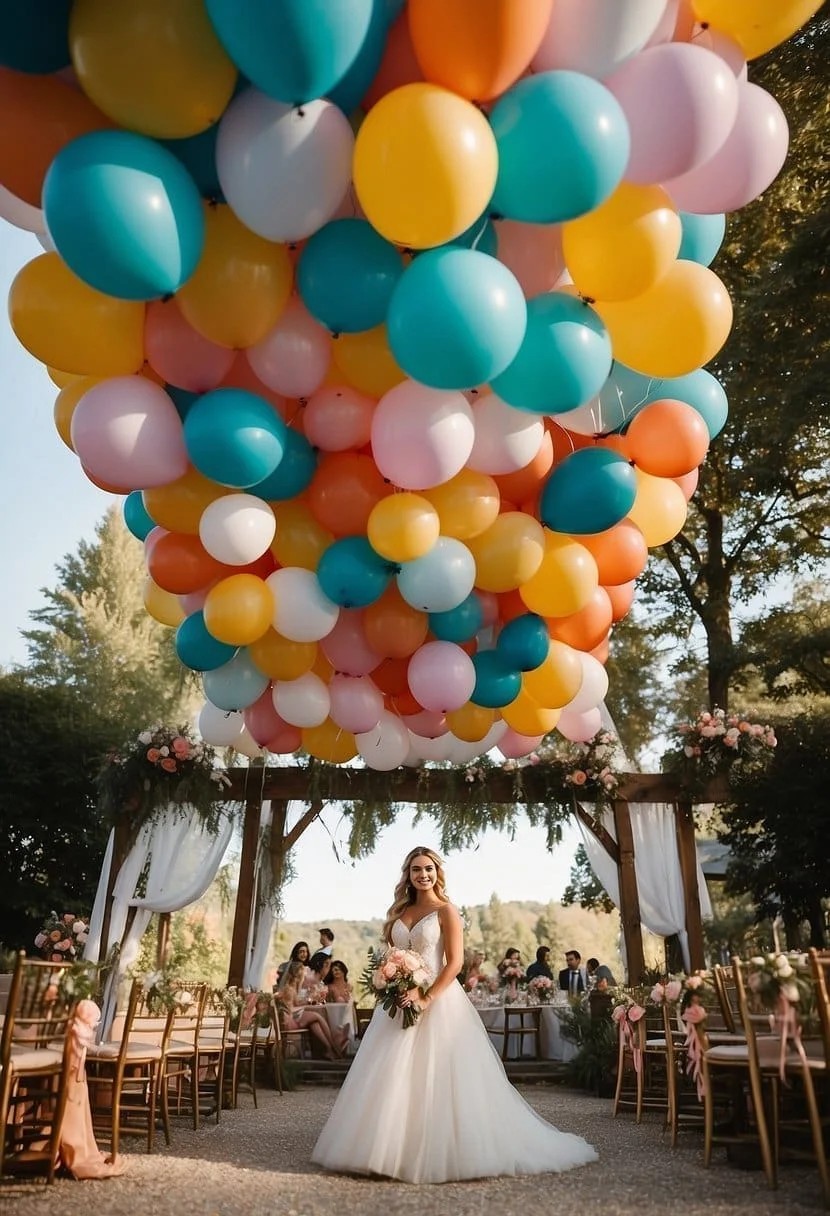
(546, 930)
(496, 929)
(584, 888)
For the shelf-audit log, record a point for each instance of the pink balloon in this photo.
(262, 720)
(579, 728)
(745, 165)
(681, 102)
(356, 703)
(441, 676)
(285, 741)
(533, 252)
(513, 746)
(421, 437)
(676, 24)
(179, 354)
(294, 356)
(127, 433)
(242, 375)
(489, 606)
(195, 600)
(338, 419)
(346, 647)
(727, 48)
(427, 724)
(688, 483)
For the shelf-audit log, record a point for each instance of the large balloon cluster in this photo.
(389, 323)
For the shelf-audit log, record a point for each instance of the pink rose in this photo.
(695, 1014)
(169, 764)
(694, 981)
(618, 1013)
(635, 1013)
(41, 940)
(388, 970)
(378, 980)
(578, 777)
(673, 990)
(153, 755)
(657, 994)
(180, 746)
(411, 961)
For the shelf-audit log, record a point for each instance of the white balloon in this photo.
(441, 579)
(302, 610)
(462, 752)
(596, 36)
(248, 746)
(593, 688)
(579, 728)
(237, 528)
(220, 727)
(302, 702)
(430, 749)
(588, 419)
(506, 439)
(421, 437)
(284, 169)
(386, 746)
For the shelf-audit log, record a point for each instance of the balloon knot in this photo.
(495, 216)
(212, 201)
(167, 297)
(335, 333)
(588, 299)
(300, 112)
(303, 400)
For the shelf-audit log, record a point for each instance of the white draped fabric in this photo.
(263, 916)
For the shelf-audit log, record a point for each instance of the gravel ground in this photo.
(256, 1163)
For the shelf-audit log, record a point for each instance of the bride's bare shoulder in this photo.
(448, 913)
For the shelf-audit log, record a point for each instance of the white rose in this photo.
(78, 927)
(145, 737)
(784, 971)
(790, 992)
(757, 961)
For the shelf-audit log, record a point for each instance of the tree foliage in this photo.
(584, 888)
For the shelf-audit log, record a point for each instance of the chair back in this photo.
(184, 1020)
(723, 979)
(38, 1012)
(820, 967)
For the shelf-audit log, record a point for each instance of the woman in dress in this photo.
(340, 990)
(432, 1103)
(299, 1015)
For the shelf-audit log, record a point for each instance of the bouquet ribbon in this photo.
(694, 1054)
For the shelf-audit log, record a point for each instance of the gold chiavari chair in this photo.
(180, 1063)
(642, 1067)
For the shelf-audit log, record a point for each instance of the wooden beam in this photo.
(595, 827)
(245, 889)
(687, 855)
(629, 898)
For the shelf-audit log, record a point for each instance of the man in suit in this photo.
(326, 942)
(571, 978)
(542, 964)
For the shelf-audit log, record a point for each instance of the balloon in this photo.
(526, 483)
(456, 318)
(292, 358)
(524, 642)
(179, 563)
(346, 275)
(69, 325)
(659, 510)
(679, 323)
(579, 728)
(621, 597)
(526, 716)
(154, 69)
(425, 165)
(563, 361)
(337, 419)
(23, 215)
(421, 436)
(590, 490)
(563, 145)
(198, 155)
(594, 686)
(302, 702)
(533, 252)
(351, 573)
(667, 438)
(162, 605)
(594, 37)
(300, 540)
(179, 353)
(136, 518)
(626, 391)
(514, 746)
(477, 50)
(344, 491)
(262, 721)
(240, 287)
(127, 432)
(402, 527)
(178, 505)
(328, 742)
(346, 647)
(386, 746)
(441, 579)
(586, 628)
(758, 25)
(352, 85)
(280, 658)
(66, 403)
(292, 49)
(199, 649)
(366, 363)
(234, 437)
(218, 727)
(624, 245)
(237, 528)
(393, 628)
(702, 237)
(696, 97)
(34, 36)
(467, 504)
(565, 579)
(302, 612)
(496, 684)
(284, 171)
(236, 684)
(441, 676)
(356, 704)
(459, 624)
(505, 439)
(294, 472)
(509, 552)
(471, 723)
(557, 679)
(620, 553)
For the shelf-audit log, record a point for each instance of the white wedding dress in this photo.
(432, 1103)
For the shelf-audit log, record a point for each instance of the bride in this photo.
(432, 1103)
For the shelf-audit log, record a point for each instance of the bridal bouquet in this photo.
(393, 973)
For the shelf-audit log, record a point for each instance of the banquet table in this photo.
(552, 1045)
(341, 1015)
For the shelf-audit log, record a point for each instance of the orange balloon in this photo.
(471, 722)
(467, 504)
(477, 48)
(238, 609)
(601, 652)
(621, 597)
(299, 540)
(527, 717)
(564, 441)
(403, 703)
(511, 605)
(557, 680)
(329, 742)
(280, 658)
(586, 628)
(178, 506)
(524, 483)
(65, 403)
(398, 65)
(393, 628)
(509, 553)
(667, 438)
(345, 488)
(620, 552)
(390, 676)
(180, 563)
(322, 667)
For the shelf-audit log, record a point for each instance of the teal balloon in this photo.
(496, 684)
(136, 516)
(294, 50)
(294, 472)
(124, 214)
(346, 275)
(198, 155)
(197, 648)
(563, 144)
(353, 86)
(456, 319)
(702, 237)
(352, 574)
(563, 361)
(481, 236)
(182, 398)
(626, 392)
(234, 437)
(34, 35)
(458, 624)
(236, 684)
(524, 642)
(589, 491)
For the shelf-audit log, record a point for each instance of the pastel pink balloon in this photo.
(681, 102)
(727, 48)
(533, 252)
(489, 607)
(294, 356)
(506, 439)
(262, 720)
(195, 600)
(427, 724)
(126, 432)
(346, 647)
(338, 419)
(421, 437)
(441, 676)
(356, 703)
(513, 746)
(688, 483)
(179, 354)
(676, 25)
(744, 166)
(579, 728)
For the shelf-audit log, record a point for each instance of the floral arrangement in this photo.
(164, 994)
(541, 989)
(627, 1010)
(781, 979)
(160, 767)
(688, 990)
(390, 975)
(715, 741)
(511, 974)
(593, 764)
(62, 938)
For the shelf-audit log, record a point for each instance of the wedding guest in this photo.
(300, 953)
(571, 977)
(326, 942)
(472, 969)
(542, 964)
(297, 1014)
(599, 975)
(340, 990)
(512, 958)
(316, 973)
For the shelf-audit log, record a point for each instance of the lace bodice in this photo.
(425, 938)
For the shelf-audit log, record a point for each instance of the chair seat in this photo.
(769, 1056)
(134, 1052)
(34, 1059)
(178, 1047)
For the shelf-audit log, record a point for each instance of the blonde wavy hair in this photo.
(405, 892)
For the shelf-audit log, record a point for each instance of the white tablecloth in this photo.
(340, 1015)
(552, 1046)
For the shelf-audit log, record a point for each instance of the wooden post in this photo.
(245, 890)
(163, 941)
(629, 897)
(687, 856)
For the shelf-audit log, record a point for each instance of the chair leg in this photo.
(767, 1157)
(816, 1132)
(620, 1075)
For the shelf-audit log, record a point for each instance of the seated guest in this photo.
(512, 958)
(316, 973)
(542, 964)
(571, 978)
(473, 960)
(599, 975)
(296, 1014)
(340, 990)
(300, 953)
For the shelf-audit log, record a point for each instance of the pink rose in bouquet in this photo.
(393, 974)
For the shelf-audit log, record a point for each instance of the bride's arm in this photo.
(453, 951)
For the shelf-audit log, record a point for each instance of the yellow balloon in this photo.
(153, 66)
(61, 379)
(280, 658)
(299, 539)
(659, 509)
(73, 327)
(527, 717)
(557, 680)
(178, 506)
(425, 165)
(66, 401)
(471, 722)
(566, 579)
(674, 327)
(467, 504)
(623, 246)
(328, 742)
(403, 527)
(238, 609)
(162, 605)
(509, 552)
(241, 285)
(322, 667)
(757, 25)
(365, 362)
